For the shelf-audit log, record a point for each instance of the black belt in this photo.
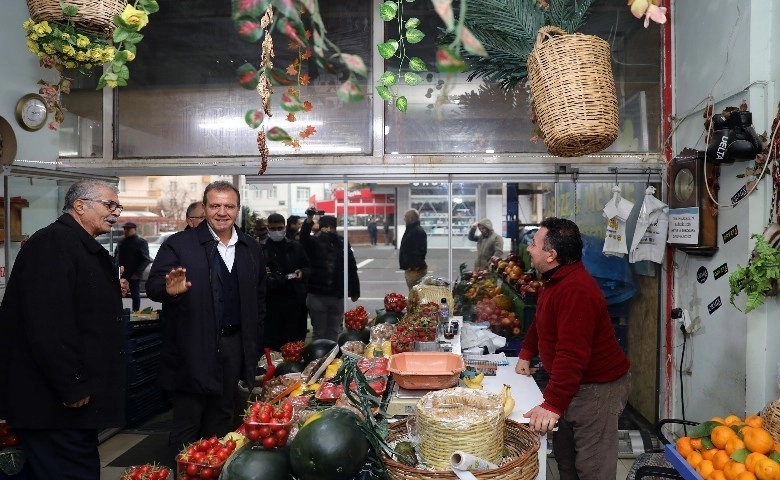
(229, 330)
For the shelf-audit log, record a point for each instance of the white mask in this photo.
(276, 235)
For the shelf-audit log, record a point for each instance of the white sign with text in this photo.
(684, 226)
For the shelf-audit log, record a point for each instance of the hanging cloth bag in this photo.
(616, 211)
(573, 92)
(649, 241)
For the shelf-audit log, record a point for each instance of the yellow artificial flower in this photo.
(130, 56)
(69, 50)
(137, 18)
(111, 83)
(28, 23)
(49, 49)
(32, 46)
(82, 41)
(81, 57)
(65, 35)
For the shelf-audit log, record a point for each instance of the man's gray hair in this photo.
(85, 189)
(413, 215)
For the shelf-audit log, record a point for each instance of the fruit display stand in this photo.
(683, 468)
(144, 397)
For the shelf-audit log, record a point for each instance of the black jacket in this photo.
(414, 247)
(326, 254)
(133, 254)
(188, 360)
(62, 333)
(282, 258)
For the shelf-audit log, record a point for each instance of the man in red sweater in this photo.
(589, 373)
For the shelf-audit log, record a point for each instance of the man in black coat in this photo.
(132, 253)
(288, 269)
(414, 247)
(211, 282)
(326, 285)
(62, 359)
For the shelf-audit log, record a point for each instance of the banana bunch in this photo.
(506, 399)
(475, 381)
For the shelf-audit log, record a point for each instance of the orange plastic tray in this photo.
(426, 370)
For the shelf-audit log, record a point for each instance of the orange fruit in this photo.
(705, 468)
(752, 459)
(754, 421)
(709, 454)
(767, 469)
(720, 459)
(733, 469)
(746, 476)
(696, 444)
(732, 420)
(717, 475)
(694, 458)
(757, 440)
(683, 446)
(734, 444)
(721, 434)
(717, 419)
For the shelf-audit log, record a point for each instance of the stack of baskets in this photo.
(96, 16)
(573, 92)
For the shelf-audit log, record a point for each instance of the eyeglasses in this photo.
(201, 217)
(111, 205)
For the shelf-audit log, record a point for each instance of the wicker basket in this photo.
(94, 16)
(520, 461)
(771, 416)
(573, 92)
(423, 293)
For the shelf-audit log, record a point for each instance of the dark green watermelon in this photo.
(317, 349)
(330, 446)
(253, 462)
(288, 367)
(349, 334)
(388, 317)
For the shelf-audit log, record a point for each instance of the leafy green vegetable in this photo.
(759, 277)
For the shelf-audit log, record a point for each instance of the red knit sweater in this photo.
(573, 335)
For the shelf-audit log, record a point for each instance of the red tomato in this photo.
(192, 469)
(230, 445)
(207, 472)
(264, 431)
(269, 442)
(253, 433)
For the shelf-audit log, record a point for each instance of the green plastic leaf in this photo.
(248, 76)
(444, 9)
(254, 118)
(354, 63)
(775, 455)
(291, 103)
(249, 29)
(350, 92)
(388, 11)
(401, 103)
(277, 134)
(471, 44)
(288, 9)
(388, 79)
(69, 10)
(384, 92)
(412, 22)
(740, 455)
(414, 36)
(388, 48)
(707, 443)
(704, 429)
(294, 31)
(417, 64)
(449, 61)
(412, 79)
(133, 37)
(151, 6)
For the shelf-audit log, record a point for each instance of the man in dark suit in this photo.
(132, 253)
(211, 282)
(62, 359)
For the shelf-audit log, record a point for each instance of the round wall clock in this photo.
(684, 185)
(31, 112)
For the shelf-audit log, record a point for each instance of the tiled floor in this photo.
(121, 442)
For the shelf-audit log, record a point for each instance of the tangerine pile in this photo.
(731, 448)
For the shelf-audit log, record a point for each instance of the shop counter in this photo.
(526, 394)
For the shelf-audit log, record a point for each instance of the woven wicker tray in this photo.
(520, 462)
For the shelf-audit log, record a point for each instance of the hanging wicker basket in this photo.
(771, 416)
(573, 92)
(95, 16)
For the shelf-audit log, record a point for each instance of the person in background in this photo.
(294, 223)
(386, 227)
(326, 284)
(132, 253)
(589, 374)
(489, 243)
(372, 231)
(62, 339)
(414, 248)
(288, 268)
(211, 283)
(261, 230)
(195, 215)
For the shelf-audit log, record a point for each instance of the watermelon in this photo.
(388, 317)
(350, 334)
(288, 367)
(317, 349)
(329, 446)
(253, 462)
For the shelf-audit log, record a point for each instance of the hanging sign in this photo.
(730, 234)
(714, 305)
(684, 226)
(720, 271)
(702, 274)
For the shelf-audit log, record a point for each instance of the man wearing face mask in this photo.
(326, 285)
(288, 267)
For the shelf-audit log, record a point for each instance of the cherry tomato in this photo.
(230, 445)
(264, 431)
(192, 469)
(207, 472)
(253, 433)
(269, 442)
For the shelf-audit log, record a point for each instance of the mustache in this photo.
(112, 219)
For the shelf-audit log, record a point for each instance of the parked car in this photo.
(153, 249)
